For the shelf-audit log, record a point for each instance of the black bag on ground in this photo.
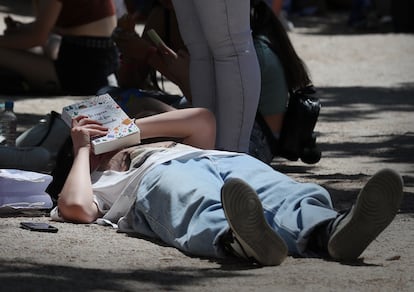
(50, 133)
(37, 148)
(297, 138)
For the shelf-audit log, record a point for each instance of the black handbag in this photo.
(297, 139)
(36, 148)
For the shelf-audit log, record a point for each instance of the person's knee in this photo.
(207, 117)
(208, 122)
(234, 44)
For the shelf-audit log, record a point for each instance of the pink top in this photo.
(79, 12)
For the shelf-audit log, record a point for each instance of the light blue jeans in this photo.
(224, 70)
(179, 203)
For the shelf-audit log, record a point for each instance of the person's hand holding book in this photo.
(84, 130)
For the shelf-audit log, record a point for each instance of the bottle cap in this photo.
(8, 105)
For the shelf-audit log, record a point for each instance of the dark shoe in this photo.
(376, 206)
(250, 237)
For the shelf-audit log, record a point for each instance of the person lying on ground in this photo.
(216, 204)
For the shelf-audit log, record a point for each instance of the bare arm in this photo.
(29, 35)
(175, 68)
(75, 201)
(196, 126)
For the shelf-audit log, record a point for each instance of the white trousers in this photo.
(224, 70)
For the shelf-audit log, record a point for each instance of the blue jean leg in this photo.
(293, 209)
(179, 203)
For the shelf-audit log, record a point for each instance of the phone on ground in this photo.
(38, 226)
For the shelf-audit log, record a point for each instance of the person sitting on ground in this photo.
(139, 61)
(213, 203)
(87, 57)
(199, 19)
(282, 70)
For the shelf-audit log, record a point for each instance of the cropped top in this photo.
(79, 12)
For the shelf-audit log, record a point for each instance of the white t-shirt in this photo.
(115, 191)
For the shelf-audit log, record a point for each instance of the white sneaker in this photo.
(250, 235)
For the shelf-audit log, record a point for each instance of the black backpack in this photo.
(297, 138)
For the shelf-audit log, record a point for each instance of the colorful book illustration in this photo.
(122, 130)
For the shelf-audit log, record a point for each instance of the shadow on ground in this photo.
(28, 276)
(335, 23)
(357, 106)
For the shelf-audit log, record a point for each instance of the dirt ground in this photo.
(366, 85)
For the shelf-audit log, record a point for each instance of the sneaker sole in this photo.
(377, 205)
(244, 213)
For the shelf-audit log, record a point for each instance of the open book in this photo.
(122, 130)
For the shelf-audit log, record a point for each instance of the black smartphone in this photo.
(38, 226)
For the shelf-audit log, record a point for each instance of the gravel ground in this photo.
(366, 85)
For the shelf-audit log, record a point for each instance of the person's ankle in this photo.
(318, 240)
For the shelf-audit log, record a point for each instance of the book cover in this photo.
(102, 108)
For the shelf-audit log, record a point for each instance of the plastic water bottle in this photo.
(8, 125)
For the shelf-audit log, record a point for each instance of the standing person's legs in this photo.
(226, 27)
(202, 79)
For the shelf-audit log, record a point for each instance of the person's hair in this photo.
(264, 22)
(64, 161)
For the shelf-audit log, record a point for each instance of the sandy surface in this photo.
(366, 85)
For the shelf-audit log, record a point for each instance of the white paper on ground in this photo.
(23, 190)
